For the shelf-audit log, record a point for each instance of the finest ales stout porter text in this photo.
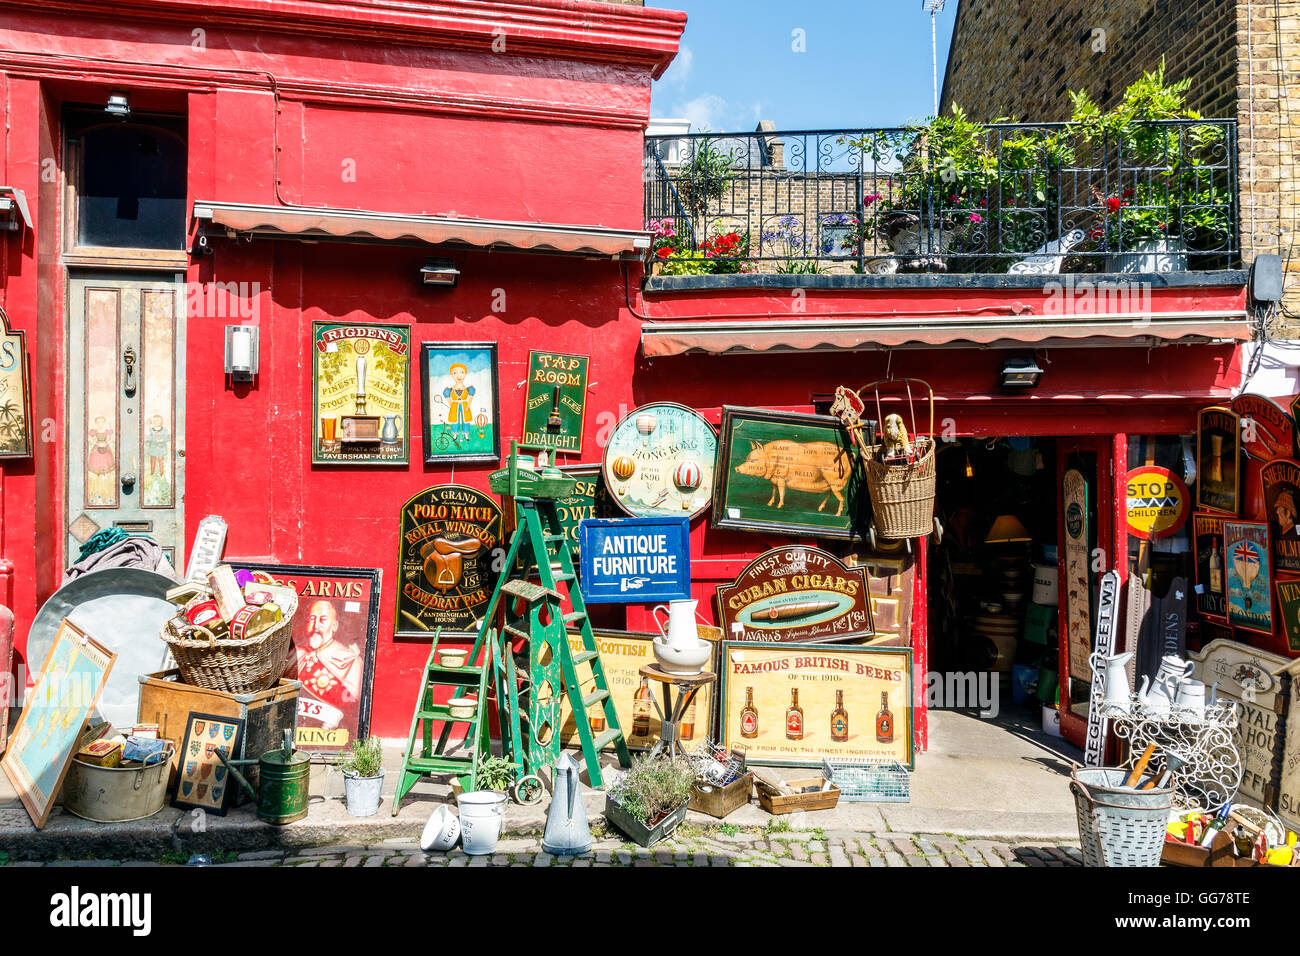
(884, 721)
(749, 716)
(839, 719)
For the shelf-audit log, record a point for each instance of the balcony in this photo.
(949, 197)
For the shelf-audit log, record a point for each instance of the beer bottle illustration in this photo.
(1216, 568)
(839, 719)
(749, 716)
(884, 721)
(641, 710)
(596, 718)
(686, 729)
(794, 717)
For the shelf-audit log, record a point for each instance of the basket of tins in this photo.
(232, 632)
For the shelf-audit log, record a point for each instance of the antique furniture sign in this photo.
(785, 472)
(659, 462)
(1157, 502)
(458, 382)
(1218, 460)
(795, 704)
(1207, 538)
(796, 595)
(445, 574)
(1266, 430)
(202, 781)
(41, 747)
(1288, 608)
(1249, 578)
(1074, 503)
(1281, 480)
(15, 393)
(335, 633)
(635, 560)
(555, 401)
(360, 396)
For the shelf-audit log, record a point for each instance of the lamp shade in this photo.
(1007, 529)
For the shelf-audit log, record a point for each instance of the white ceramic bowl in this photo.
(452, 658)
(462, 708)
(682, 663)
(442, 831)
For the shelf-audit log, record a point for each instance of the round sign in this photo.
(659, 462)
(1157, 502)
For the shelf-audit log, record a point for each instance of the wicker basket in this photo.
(1119, 826)
(902, 493)
(225, 664)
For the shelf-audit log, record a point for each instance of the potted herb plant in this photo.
(650, 800)
(363, 776)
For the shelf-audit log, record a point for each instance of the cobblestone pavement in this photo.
(698, 847)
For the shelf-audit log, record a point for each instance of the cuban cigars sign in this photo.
(556, 386)
(1266, 429)
(796, 595)
(1157, 502)
(635, 560)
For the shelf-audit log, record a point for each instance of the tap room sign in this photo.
(635, 560)
(554, 401)
(796, 595)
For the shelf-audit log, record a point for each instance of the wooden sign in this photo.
(1164, 630)
(1207, 539)
(794, 704)
(445, 560)
(1218, 460)
(1074, 491)
(360, 395)
(1281, 481)
(1288, 797)
(1249, 577)
(1295, 425)
(659, 461)
(796, 595)
(202, 781)
(1266, 430)
(1288, 609)
(1107, 616)
(555, 401)
(15, 393)
(1157, 501)
(1246, 675)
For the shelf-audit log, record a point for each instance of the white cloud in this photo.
(681, 67)
(708, 111)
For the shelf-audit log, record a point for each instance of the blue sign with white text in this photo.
(635, 560)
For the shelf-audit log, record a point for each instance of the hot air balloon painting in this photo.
(623, 468)
(1249, 575)
(659, 460)
(687, 478)
(645, 426)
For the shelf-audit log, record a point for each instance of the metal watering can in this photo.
(567, 832)
(283, 778)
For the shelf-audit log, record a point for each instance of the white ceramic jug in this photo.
(682, 633)
(1117, 697)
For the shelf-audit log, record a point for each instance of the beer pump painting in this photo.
(360, 393)
(1218, 460)
(659, 462)
(1249, 575)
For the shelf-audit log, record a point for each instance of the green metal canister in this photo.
(282, 789)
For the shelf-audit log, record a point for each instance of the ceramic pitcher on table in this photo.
(682, 633)
(1117, 697)
(1156, 697)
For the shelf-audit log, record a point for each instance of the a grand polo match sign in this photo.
(635, 560)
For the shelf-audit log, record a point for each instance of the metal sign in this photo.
(1074, 491)
(1107, 612)
(635, 560)
(1266, 430)
(1157, 502)
(796, 594)
(659, 462)
(209, 542)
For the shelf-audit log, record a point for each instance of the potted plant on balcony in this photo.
(649, 801)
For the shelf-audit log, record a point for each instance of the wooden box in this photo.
(720, 801)
(167, 702)
(777, 803)
(1220, 853)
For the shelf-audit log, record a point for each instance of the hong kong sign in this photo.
(635, 560)
(1158, 503)
(796, 594)
(445, 576)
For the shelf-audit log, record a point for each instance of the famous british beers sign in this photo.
(360, 396)
(1157, 502)
(554, 401)
(1218, 460)
(1281, 480)
(796, 594)
(445, 576)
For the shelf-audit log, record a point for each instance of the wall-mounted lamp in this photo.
(441, 272)
(241, 352)
(1020, 373)
(13, 209)
(118, 106)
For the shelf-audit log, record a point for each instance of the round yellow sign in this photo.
(1157, 502)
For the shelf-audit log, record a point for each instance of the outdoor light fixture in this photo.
(441, 272)
(118, 106)
(14, 214)
(241, 352)
(1020, 373)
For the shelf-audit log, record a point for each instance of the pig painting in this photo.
(817, 467)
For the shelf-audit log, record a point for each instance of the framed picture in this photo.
(555, 401)
(793, 704)
(447, 545)
(1281, 481)
(1267, 431)
(796, 595)
(1249, 575)
(72, 677)
(785, 472)
(659, 462)
(635, 560)
(335, 633)
(623, 654)
(460, 391)
(1207, 538)
(202, 781)
(1218, 460)
(15, 393)
(360, 394)
(1288, 608)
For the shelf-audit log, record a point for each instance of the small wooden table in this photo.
(688, 685)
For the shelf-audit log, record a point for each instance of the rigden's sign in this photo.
(796, 594)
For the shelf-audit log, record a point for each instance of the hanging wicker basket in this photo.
(902, 492)
(226, 664)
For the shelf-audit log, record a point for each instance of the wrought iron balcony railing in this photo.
(948, 197)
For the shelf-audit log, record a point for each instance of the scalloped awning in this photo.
(360, 226)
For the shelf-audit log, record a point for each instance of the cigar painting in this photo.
(796, 594)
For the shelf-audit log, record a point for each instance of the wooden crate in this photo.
(720, 801)
(777, 803)
(167, 702)
(1220, 853)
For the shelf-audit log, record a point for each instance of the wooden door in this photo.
(126, 409)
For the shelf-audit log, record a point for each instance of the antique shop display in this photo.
(1077, 520)
(332, 650)
(209, 543)
(796, 704)
(1207, 539)
(680, 649)
(1267, 431)
(567, 832)
(634, 560)
(588, 499)
(1156, 502)
(131, 787)
(660, 462)
(1218, 460)
(1281, 481)
(796, 594)
(555, 401)
(1249, 575)
(202, 778)
(360, 394)
(461, 409)
(15, 393)
(446, 546)
(784, 472)
(72, 677)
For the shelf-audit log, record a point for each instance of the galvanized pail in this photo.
(116, 794)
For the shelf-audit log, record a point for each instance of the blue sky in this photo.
(866, 63)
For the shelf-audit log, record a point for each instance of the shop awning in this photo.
(361, 226)
(831, 334)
